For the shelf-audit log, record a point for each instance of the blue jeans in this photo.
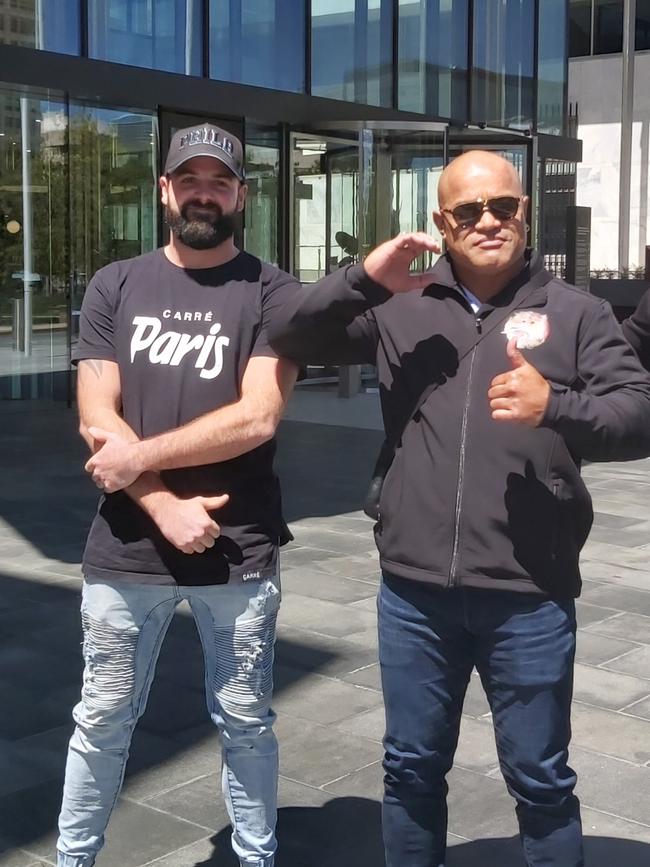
(523, 647)
(124, 625)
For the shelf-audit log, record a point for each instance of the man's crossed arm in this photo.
(122, 461)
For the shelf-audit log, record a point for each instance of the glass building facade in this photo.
(349, 110)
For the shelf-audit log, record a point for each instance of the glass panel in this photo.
(552, 67)
(39, 24)
(642, 25)
(579, 28)
(259, 42)
(113, 190)
(502, 76)
(263, 179)
(34, 262)
(165, 34)
(608, 26)
(325, 173)
(324, 206)
(352, 50)
(433, 57)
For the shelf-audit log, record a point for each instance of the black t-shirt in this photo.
(182, 339)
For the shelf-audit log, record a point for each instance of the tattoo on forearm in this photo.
(95, 365)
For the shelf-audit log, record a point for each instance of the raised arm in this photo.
(331, 321)
(186, 523)
(220, 435)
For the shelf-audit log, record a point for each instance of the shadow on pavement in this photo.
(40, 680)
(346, 832)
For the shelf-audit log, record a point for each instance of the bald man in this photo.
(497, 381)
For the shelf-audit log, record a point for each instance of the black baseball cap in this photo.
(206, 140)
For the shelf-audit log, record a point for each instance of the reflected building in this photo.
(349, 110)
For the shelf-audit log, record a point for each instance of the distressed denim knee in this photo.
(108, 691)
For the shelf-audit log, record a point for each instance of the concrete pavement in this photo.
(329, 706)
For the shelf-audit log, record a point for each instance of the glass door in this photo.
(34, 248)
(324, 204)
(398, 186)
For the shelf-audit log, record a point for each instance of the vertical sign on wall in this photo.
(578, 245)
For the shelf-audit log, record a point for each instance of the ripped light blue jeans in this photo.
(124, 626)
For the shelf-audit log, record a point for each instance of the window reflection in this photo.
(551, 75)
(352, 50)
(34, 261)
(642, 25)
(580, 28)
(608, 26)
(38, 24)
(502, 77)
(263, 180)
(433, 57)
(113, 189)
(258, 42)
(165, 34)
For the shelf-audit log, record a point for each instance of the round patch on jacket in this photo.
(528, 327)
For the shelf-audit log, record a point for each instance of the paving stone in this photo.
(476, 749)
(320, 585)
(636, 662)
(616, 522)
(614, 574)
(201, 800)
(137, 833)
(366, 781)
(587, 614)
(611, 785)
(321, 699)
(618, 556)
(371, 724)
(18, 858)
(620, 598)
(611, 733)
(360, 568)
(594, 649)
(336, 542)
(640, 709)
(597, 824)
(369, 676)
(316, 755)
(480, 806)
(630, 537)
(328, 618)
(476, 703)
(355, 523)
(25, 712)
(157, 764)
(322, 653)
(633, 627)
(296, 557)
(606, 688)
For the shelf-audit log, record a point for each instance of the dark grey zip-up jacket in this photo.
(637, 330)
(469, 500)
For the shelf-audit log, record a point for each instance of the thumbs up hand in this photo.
(521, 394)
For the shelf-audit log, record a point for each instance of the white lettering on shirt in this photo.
(171, 347)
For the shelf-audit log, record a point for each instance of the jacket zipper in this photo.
(461, 471)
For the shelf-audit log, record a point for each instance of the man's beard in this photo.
(202, 233)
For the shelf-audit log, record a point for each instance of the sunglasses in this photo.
(468, 213)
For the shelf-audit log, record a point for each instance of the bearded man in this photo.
(179, 396)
